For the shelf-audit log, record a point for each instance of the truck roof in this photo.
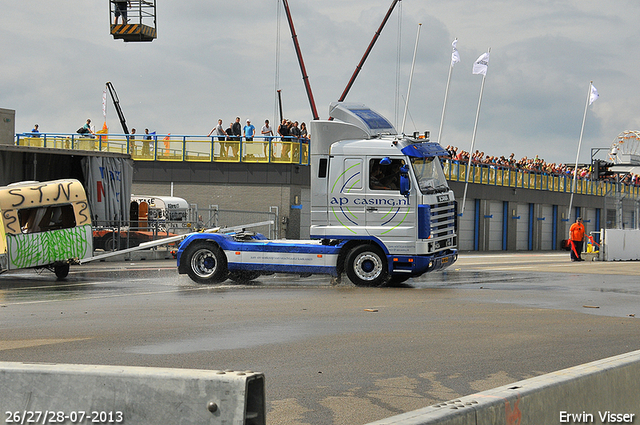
(388, 146)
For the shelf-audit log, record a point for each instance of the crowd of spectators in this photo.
(536, 165)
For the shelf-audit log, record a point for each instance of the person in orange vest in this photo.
(576, 239)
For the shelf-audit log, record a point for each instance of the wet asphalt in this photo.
(333, 354)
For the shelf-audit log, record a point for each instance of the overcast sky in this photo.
(218, 59)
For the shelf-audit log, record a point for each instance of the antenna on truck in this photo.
(413, 64)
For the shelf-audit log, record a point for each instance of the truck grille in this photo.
(443, 225)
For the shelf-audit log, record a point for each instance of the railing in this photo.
(517, 178)
(287, 150)
(142, 147)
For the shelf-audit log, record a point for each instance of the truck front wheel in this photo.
(206, 263)
(366, 265)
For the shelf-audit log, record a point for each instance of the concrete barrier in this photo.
(47, 393)
(602, 392)
(619, 244)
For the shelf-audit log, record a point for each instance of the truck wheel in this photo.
(206, 262)
(242, 276)
(61, 270)
(366, 265)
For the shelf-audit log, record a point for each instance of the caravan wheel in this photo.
(61, 270)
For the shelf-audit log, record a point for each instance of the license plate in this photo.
(443, 198)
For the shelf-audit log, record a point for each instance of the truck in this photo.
(381, 211)
(44, 225)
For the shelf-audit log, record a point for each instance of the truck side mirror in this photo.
(405, 183)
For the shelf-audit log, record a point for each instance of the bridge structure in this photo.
(507, 209)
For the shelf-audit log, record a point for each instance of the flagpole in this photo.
(473, 142)
(446, 96)
(406, 105)
(575, 168)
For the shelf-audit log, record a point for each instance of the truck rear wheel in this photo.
(366, 265)
(206, 263)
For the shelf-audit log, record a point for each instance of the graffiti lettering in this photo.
(83, 208)
(9, 220)
(39, 189)
(61, 191)
(16, 192)
(113, 175)
(41, 249)
(100, 190)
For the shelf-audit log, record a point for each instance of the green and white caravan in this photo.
(44, 225)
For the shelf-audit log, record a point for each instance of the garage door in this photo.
(466, 225)
(496, 213)
(522, 227)
(546, 227)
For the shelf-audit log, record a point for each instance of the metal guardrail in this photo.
(189, 148)
(59, 393)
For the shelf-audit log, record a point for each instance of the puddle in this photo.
(231, 340)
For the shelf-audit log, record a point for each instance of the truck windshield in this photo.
(430, 176)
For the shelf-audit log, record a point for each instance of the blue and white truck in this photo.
(381, 211)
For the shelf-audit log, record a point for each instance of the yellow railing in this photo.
(179, 148)
(516, 178)
(275, 150)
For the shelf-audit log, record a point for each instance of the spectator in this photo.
(237, 133)
(283, 131)
(267, 133)
(146, 145)
(249, 131)
(224, 152)
(86, 128)
(132, 142)
(295, 131)
(218, 130)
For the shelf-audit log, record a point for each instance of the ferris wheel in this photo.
(626, 144)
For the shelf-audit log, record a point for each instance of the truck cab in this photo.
(370, 183)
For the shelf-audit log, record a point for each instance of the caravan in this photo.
(44, 225)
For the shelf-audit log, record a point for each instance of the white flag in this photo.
(594, 95)
(104, 104)
(455, 56)
(481, 64)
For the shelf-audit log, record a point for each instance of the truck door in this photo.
(346, 193)
(388, 214)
